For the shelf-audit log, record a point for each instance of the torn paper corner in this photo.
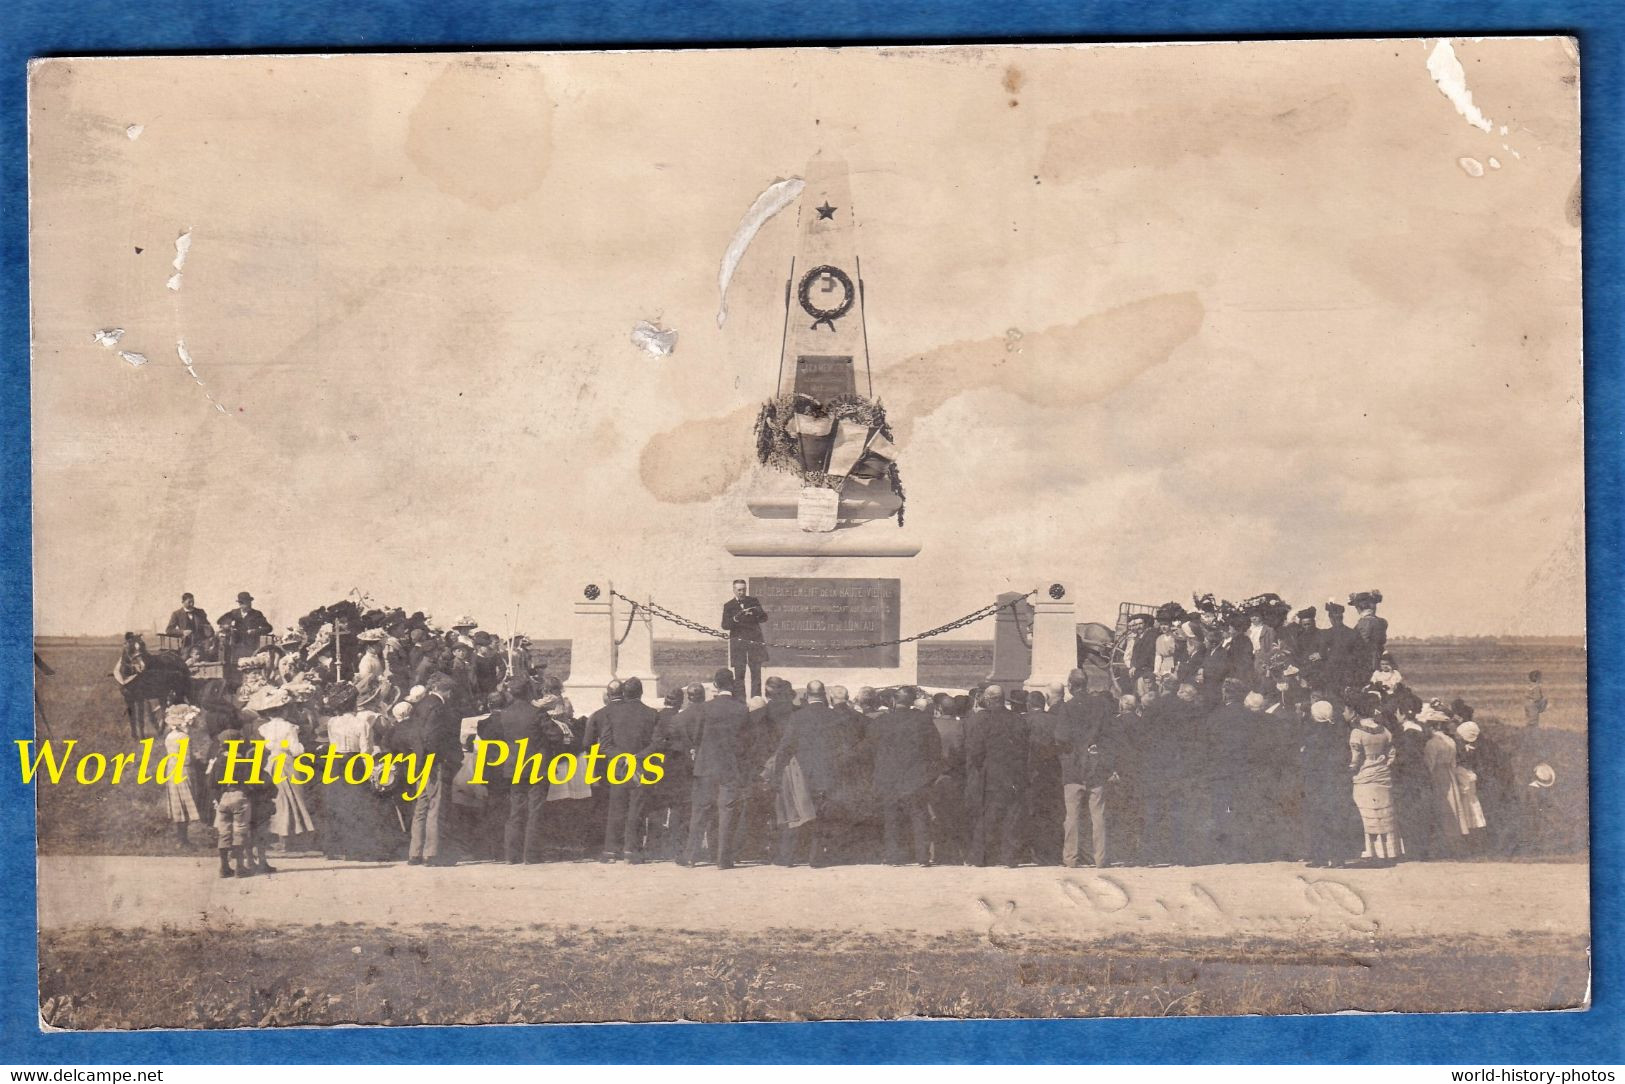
(134, 131)
(775, 198)
(1452, 81)
(655, 339)
(109, 336)
(135, 360)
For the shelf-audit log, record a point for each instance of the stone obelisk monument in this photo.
(825, 549)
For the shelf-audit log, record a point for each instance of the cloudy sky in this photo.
(1236, 318)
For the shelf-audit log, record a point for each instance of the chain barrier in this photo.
(969, 619)
(631, 617)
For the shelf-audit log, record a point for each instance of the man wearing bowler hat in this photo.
(240, 632)
(742, 618)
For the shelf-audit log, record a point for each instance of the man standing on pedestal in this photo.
(742, 618)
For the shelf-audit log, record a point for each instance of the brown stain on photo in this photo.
(1160, 136)
(1061, 367)
(483, 134)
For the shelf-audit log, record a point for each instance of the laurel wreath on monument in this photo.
(779, 446)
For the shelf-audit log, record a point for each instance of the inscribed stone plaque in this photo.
(821, 619)
(824, 378)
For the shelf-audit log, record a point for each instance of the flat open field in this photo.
(81, 702)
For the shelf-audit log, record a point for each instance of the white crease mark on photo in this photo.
(183, 245)
(109, 336)
(1452, 81)
(135, 360)
(186, 360)
(653, 338)
(775, 198)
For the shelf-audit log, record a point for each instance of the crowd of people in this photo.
(1221, 734)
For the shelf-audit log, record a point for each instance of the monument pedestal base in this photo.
(822, 609)
(596, 659)
(877, 541)
(776, 495)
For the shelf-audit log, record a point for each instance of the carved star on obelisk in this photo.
(826, 211)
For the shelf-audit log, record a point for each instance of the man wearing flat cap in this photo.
(240, 632)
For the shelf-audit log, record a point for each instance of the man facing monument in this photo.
(742, 618)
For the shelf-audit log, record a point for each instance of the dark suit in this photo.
(1228, 736)
(1373, 633)
(190, 625)
(521, 721)
(433, 729)
(817, 736)
(673, 739)
(720, 732)
(625, 727)
(1170, 786)
(1082, 731)
(1345, 658)
(1046, 799)
(742, 620)
(1141, 656)
(907, 759)
(996, 751)
(240, 637)
(760, 816)
(1307, 653)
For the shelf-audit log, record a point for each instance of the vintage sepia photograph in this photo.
(781, 534)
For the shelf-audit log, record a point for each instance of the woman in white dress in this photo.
(1470, 810)
(282, 743)
(182, 791)
(1439, 755)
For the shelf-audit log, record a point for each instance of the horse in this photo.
(165, 679)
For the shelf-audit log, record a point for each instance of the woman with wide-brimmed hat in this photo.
(1444, 793)
(283, 742)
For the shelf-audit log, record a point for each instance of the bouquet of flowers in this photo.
(824, 444)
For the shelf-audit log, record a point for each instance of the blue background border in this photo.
(68, 27)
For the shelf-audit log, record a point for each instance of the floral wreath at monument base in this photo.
(824, 444)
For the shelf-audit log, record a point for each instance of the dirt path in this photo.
(1272, 900)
